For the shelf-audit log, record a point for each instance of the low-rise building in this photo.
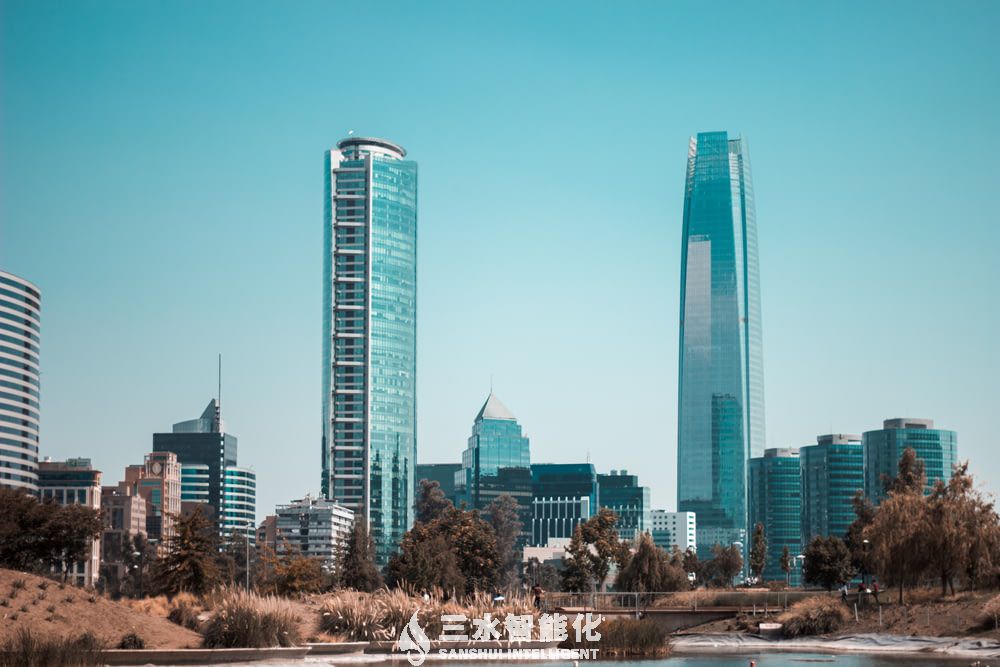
(314, 527)
(674, 530)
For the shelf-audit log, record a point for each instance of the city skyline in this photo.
(877, 304)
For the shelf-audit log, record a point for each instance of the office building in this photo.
(442, 473)
(267, 533)
(832, 471)
(158, 482)
(20, 337)
(621, 493)
(209, 471)
(124, 516)
(562, 496)
(369, 446)
(496, 462)
(313, 527)
(674, 530)
(721, 378)
(776, 503)
(74, 482)
(937, 448)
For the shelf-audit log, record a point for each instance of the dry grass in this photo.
(626, 637)
(248, 620)
(814, 616)
(26, 649)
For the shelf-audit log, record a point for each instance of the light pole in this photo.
(799, 561)
(247, 539)
(141, 555)
(865, 549)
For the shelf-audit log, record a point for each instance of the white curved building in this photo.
(20, 333)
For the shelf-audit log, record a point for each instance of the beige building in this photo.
(74, 482)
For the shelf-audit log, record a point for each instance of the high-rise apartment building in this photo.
(621, 493)
(20, 337)
(721, 378)
(776, 503)
(314, 527)
(369, 444)
(674, 530)
(832, 471)
(937, 448)
(74, 482)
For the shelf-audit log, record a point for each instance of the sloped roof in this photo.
(494, 409)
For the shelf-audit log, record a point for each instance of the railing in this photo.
(755, 602)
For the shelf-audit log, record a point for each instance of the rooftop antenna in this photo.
(218, 399)
(491, 383)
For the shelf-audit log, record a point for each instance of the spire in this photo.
(494, 409)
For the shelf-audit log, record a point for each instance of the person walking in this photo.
(536, 592)
(843, 592)
(875, 590)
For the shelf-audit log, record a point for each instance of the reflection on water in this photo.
(760, 660)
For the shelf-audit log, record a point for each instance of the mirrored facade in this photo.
(776, 503)
(721, 378)
(369, 335)
(937, 448)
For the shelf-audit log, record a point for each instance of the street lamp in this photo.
(142, 558)
(865, 549)
(799, 563)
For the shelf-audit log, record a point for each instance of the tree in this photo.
(599, 532)
(189, 563)
(431, 501)
(576, 573)
(691, 564)
(545, 575)
(357, 569)
(857, 543)
(786, 564)
(235, 558)
(455, 551)
(827, 562)
(758, 551)
(650, 570)
(504, 516)
(727, 562)
(910, 476)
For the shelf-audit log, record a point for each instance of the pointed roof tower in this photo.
(494, 409)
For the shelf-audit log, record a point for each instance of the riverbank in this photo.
(868, 643)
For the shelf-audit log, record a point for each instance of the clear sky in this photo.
(162, 183)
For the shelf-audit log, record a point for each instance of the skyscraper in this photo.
(369, 443)
(776, 503)
(562, 496)
(721, 379)
(832, 470)
(937, 448)
(496, 462)
(621, 493)
(20, 332)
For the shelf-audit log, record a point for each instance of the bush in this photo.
(990, 619)
(626, 637)
(247, 620)
(132, 641)
(814, 616)
(25, 649)
(184, 610)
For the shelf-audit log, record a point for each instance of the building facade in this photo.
(442, 473)
(313, 527)
(209, 471)
(621, 493)
(776, 503)
(674, 530)
(721, 378)
(369, 443)
(124, 516)
(74, 482)
(158, 482)
(832, 472)
(20, 386)
(937, 448)
(562, 496)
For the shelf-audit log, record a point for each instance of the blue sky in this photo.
(161, 175)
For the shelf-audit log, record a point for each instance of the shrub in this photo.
(25, 649)
(990, 619)
(247, 620)
(626, 637)
(51, 609)
(43, 584)
(19, 584)
(814, 616)
(24, 609)
(132, 641)
(184, 611)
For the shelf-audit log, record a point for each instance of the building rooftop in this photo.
(494, 409)
(371, 142)
(838, 439)
(907, 422)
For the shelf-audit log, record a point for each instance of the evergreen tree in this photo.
(576, 574)
(827, 562)
(726, 563)
(189, 563)
(357, 569)
(504, 515)
(650, 570)
(431, 501)
(758, 551)
(786, 564)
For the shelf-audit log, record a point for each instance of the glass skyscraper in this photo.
(776, 503)
(720, 421)
(20, 337)
(369, 445)
(833, 470)
(937, 448)
(497, 460)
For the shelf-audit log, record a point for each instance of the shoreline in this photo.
(869, 643)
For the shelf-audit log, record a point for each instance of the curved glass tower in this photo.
(20, 331)
(720, 421)
(369, 446)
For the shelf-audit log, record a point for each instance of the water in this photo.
(761, 660)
